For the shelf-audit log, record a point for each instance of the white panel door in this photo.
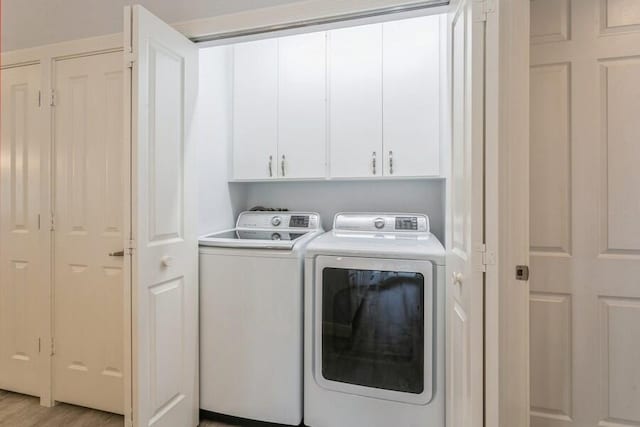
(255, 109)
(355, 101)
(20, 262)
(585, 213)
(163, 266)
(465, 347)
(88, 286)
(411, 96)
(302, 106)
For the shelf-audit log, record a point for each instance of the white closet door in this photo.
(302, 106)
(88, 283)
(411, 96)
(163, 265)
(585, 213)
(355, 86)
(20, 261)
(465, 317)
(255, 109)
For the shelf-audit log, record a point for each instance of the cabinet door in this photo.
(355, 98)
(302, 106)
(255, 109)
(411, 94)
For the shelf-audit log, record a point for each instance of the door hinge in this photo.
(53, 222)
(39, 345)
(53, 347)
(129, 59)
(482, 9)
(38, 221)
(131, 246)
(488, 256)
(39, 98)
(53, 98)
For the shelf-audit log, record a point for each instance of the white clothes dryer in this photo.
(251, 316)
(374, 324)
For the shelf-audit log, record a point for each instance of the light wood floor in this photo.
(17, 410)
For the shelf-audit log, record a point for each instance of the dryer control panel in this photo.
(381, 222)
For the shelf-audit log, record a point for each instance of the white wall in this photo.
(218, 204)
(329, 197)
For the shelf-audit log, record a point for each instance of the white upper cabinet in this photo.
(302, 107)
(255, 109)
(411, 97)
(355, 101)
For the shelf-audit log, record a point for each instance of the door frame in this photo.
(506, 179)
(506, 176)
(507, 213)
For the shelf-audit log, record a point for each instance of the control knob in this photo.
(379, 223)
(276, 221)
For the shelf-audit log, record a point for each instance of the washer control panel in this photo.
(279, 220)
(416, 223)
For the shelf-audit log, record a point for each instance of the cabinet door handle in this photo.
(373, 162)
(390, 162)
(270, 166)
(282, 165)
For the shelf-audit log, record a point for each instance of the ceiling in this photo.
(29, 23)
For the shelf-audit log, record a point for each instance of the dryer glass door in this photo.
(374, 332)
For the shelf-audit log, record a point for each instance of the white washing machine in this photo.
(374, 324)
(251, 316)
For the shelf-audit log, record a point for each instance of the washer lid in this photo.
(266, 229)
(243, 238)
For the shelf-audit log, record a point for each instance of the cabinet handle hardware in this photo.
(373, 162)
(117, 253)
(270, 166)
(282, 165)
(391, 162)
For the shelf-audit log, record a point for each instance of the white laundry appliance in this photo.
(251, 316)
(375, 323)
